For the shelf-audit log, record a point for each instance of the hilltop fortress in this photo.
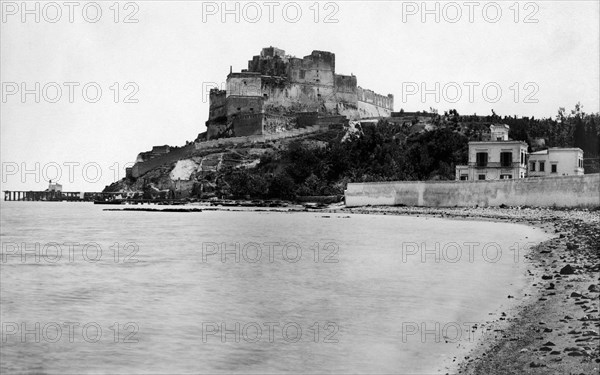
(279, 92)
(277, 97)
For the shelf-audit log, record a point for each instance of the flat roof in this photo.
(553, 149)
(565, 149)
(242, 74)
(497, 142)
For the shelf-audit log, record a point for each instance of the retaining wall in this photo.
(563, 191)
(140, 169)
(260, 138)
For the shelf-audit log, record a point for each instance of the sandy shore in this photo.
(555, 327)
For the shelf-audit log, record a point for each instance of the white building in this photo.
(499, 158)
(53, 186)
(556, 162)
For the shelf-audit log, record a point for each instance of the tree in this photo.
(592, 137)
(282, 186)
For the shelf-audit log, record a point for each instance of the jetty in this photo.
(57, 196)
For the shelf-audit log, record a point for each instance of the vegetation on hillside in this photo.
(324, 163)
(388, 152)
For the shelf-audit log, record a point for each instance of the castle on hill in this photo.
(279, 92)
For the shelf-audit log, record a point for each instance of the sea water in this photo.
(85, 290)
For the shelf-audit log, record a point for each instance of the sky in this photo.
(91, 84)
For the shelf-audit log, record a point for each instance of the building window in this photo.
(542, 166)
(506, 176)
(580, 163)
(522, 158)
(482, 159)
(532, 169)
(481, 177)
(464, 177)
(553, 168)
(505, 159)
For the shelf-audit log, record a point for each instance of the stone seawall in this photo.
(564, 191)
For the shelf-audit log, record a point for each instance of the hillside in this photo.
(405, 147)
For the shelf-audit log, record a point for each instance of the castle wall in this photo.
(218, 104)
(225, 142)
(322, 60)
(272, 52)
(214, 130)
(300, 97)
(244, 84)
(261, 124)
(366, 110)
(318, 68)
(346, 90)
(346, 84)
(276, 66)
(247, 125)
(371, 104)
(370, 97)
(273, 124)
(305, 119)
(350, 111)
(346, 100)
(311, 76)
(244, 104)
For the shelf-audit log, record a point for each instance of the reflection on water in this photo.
(148, 292)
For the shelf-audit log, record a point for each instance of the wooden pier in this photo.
(56, 196)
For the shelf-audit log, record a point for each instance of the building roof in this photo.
(497, 142)
(556, 149)
(543, 152)
(565, 149)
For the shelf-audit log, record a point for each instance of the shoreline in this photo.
(555, 324)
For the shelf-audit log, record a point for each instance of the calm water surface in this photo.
(161, 290)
